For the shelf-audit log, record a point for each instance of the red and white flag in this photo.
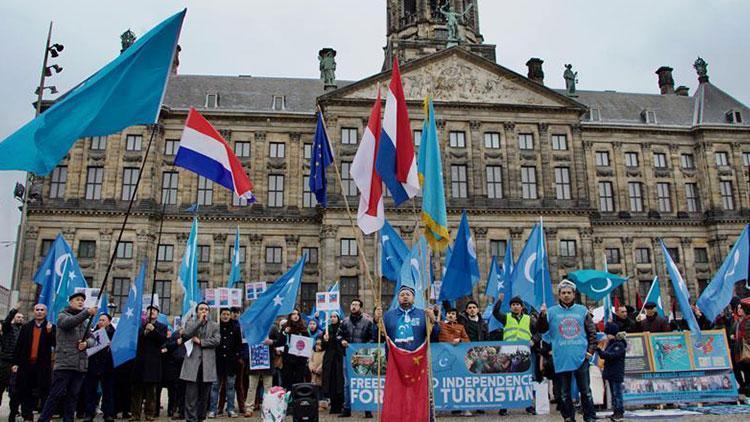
(371, 215)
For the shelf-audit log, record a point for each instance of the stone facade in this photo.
(584, 155)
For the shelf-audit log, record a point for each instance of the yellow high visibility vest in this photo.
(517, 330)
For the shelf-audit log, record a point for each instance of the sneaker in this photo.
(231, 414)
(211, 415)
(466, 413)
(368, 415)
(531, 410)
(502, 412)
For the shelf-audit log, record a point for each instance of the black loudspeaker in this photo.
(305, 402)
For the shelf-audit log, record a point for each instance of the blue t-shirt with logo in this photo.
(568, 334)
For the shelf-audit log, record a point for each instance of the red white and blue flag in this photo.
(371, 215)
(205, 152)
(396, 163)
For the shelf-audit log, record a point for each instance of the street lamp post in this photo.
(54, 51)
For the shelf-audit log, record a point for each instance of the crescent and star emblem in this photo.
(527, 267)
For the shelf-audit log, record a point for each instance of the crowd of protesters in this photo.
(45, 367)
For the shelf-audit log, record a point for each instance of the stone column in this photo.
(27, 289)
(546, 170)
(648, 176)
(588, 174)
(475, 160)
(688, 257)
(578, 164)
(620, 182)
(220, 264)
(587, 246)
(327, 254)
(292, 252)
(630, 287)
(680, 202)
(742, 180)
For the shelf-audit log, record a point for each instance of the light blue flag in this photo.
(61, 296)
(507, 271)
(681, 293)
(495, 283)
(393, 252)
(462, 269)
(50, 273)
(717, 295)
(415, 273)
(125, 341)
(527, 273)
(654, 295)
(188, 275)
(278, 299)
(235, 273)
(595, 284)
(126, 92)
(103, 302)
(430, 170)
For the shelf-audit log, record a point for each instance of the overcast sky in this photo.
(614, 45)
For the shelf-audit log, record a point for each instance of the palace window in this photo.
(528, 182)
(273, 254)
(349, 135)
(204, 253)
(494, 182)
(94, 180)
(691, 197)
(727, 195)
(559, 142)
(98, 143)
(87, 249)
(165, 253)
(242, 149)
(350, 188)
(171, 146)
(642, 256)
(525, 141)
(124, 250)
(58, 182)
(631, 159)
(459, 184)
(636, 196)
(687, 161)
(663, 197)
(602, 158)
(169, 180)
(129, 182)
(722, 159)
(457, 139)
(275, 190)
(348, 247)
(567, 248)
(492, 140)
(133, 142)
(205, 191)
(562, 182)
(277, 150)
(606, 198)
(660, 160)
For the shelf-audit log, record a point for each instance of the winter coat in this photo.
(476, 330)
(333, 362)
(9, 337)
(44, 352)
(171, 361)
(357, 329)
(228, 352)
(148, 358)
(627, 324)
(654, 324)
(450, 331)
(71, 327)
(203, 354)
(614, 359)
(315, 365)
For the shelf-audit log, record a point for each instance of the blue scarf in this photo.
(404, 333)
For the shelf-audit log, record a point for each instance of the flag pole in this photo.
(379, 299)
(357, 233)
(103, 288)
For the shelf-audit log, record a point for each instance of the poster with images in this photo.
(327, 301)
(636, 356)
(210, 297)
(670, 352)
(679, 387)
(223, 295)
(259, 357)
(711, 351)
(235, 298)
(254, 290)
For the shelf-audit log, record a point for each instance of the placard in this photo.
(259, 357)
(254, 290)
(327, 301)
(636, 356)
(92, 296)
(711, 351)
(102, 341)
(209, 295)
(223, 295)
(467, 376)
(300, 345)
(679, 387)
(235, 298)
(670, 352)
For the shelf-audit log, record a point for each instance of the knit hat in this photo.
(406, 287)
(516, 299)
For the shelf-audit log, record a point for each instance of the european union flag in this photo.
(50, 274)
(126, 92)
(718, 293)
(125, 341)
(681, 293)
(462, 269)
(393, 252)
(278, 299)
(188, 274)
(321, 158)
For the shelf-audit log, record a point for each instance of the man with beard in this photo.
(32, 361)
(356, 328)
(71, 361)
(475, 326)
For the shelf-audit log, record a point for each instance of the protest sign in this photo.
(92, 296)
(711, 351)
(209, 295)
(327, 301)
(223, 295)
(636, 356)
(300, 345)
(235, 298)
(102, 341)
(669, 352)
(479, 375)
(259, 357)
(253, 290)
(676, 387)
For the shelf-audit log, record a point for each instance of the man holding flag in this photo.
(199, 367)
(71, 361)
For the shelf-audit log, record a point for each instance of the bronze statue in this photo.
(327, 60)
(571, 79)
(452, 17)
(127, 39)
(701, 67)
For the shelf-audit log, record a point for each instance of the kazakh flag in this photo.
(430, 169)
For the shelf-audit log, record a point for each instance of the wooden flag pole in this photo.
(357, 233)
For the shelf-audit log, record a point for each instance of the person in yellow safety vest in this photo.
(518, 326)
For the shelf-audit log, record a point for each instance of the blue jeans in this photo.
(581, 375)
(347, 398)
(215, 387)
(615, 388)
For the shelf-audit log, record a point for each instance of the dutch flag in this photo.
(371, 215)
(203, 151)
(396, 163)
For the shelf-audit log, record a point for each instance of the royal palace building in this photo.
(610, 173)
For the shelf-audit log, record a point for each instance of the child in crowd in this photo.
(316, 370)
(613, 355)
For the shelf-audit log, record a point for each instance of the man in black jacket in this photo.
(227, 361)
(624, 321)
(32, 361)
(101, 370)
(11, 327)
(147, 369)
(356, 328)
(475, 325)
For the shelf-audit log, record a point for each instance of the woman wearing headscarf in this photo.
(313, 329)
(294, 367)
(333, 363)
